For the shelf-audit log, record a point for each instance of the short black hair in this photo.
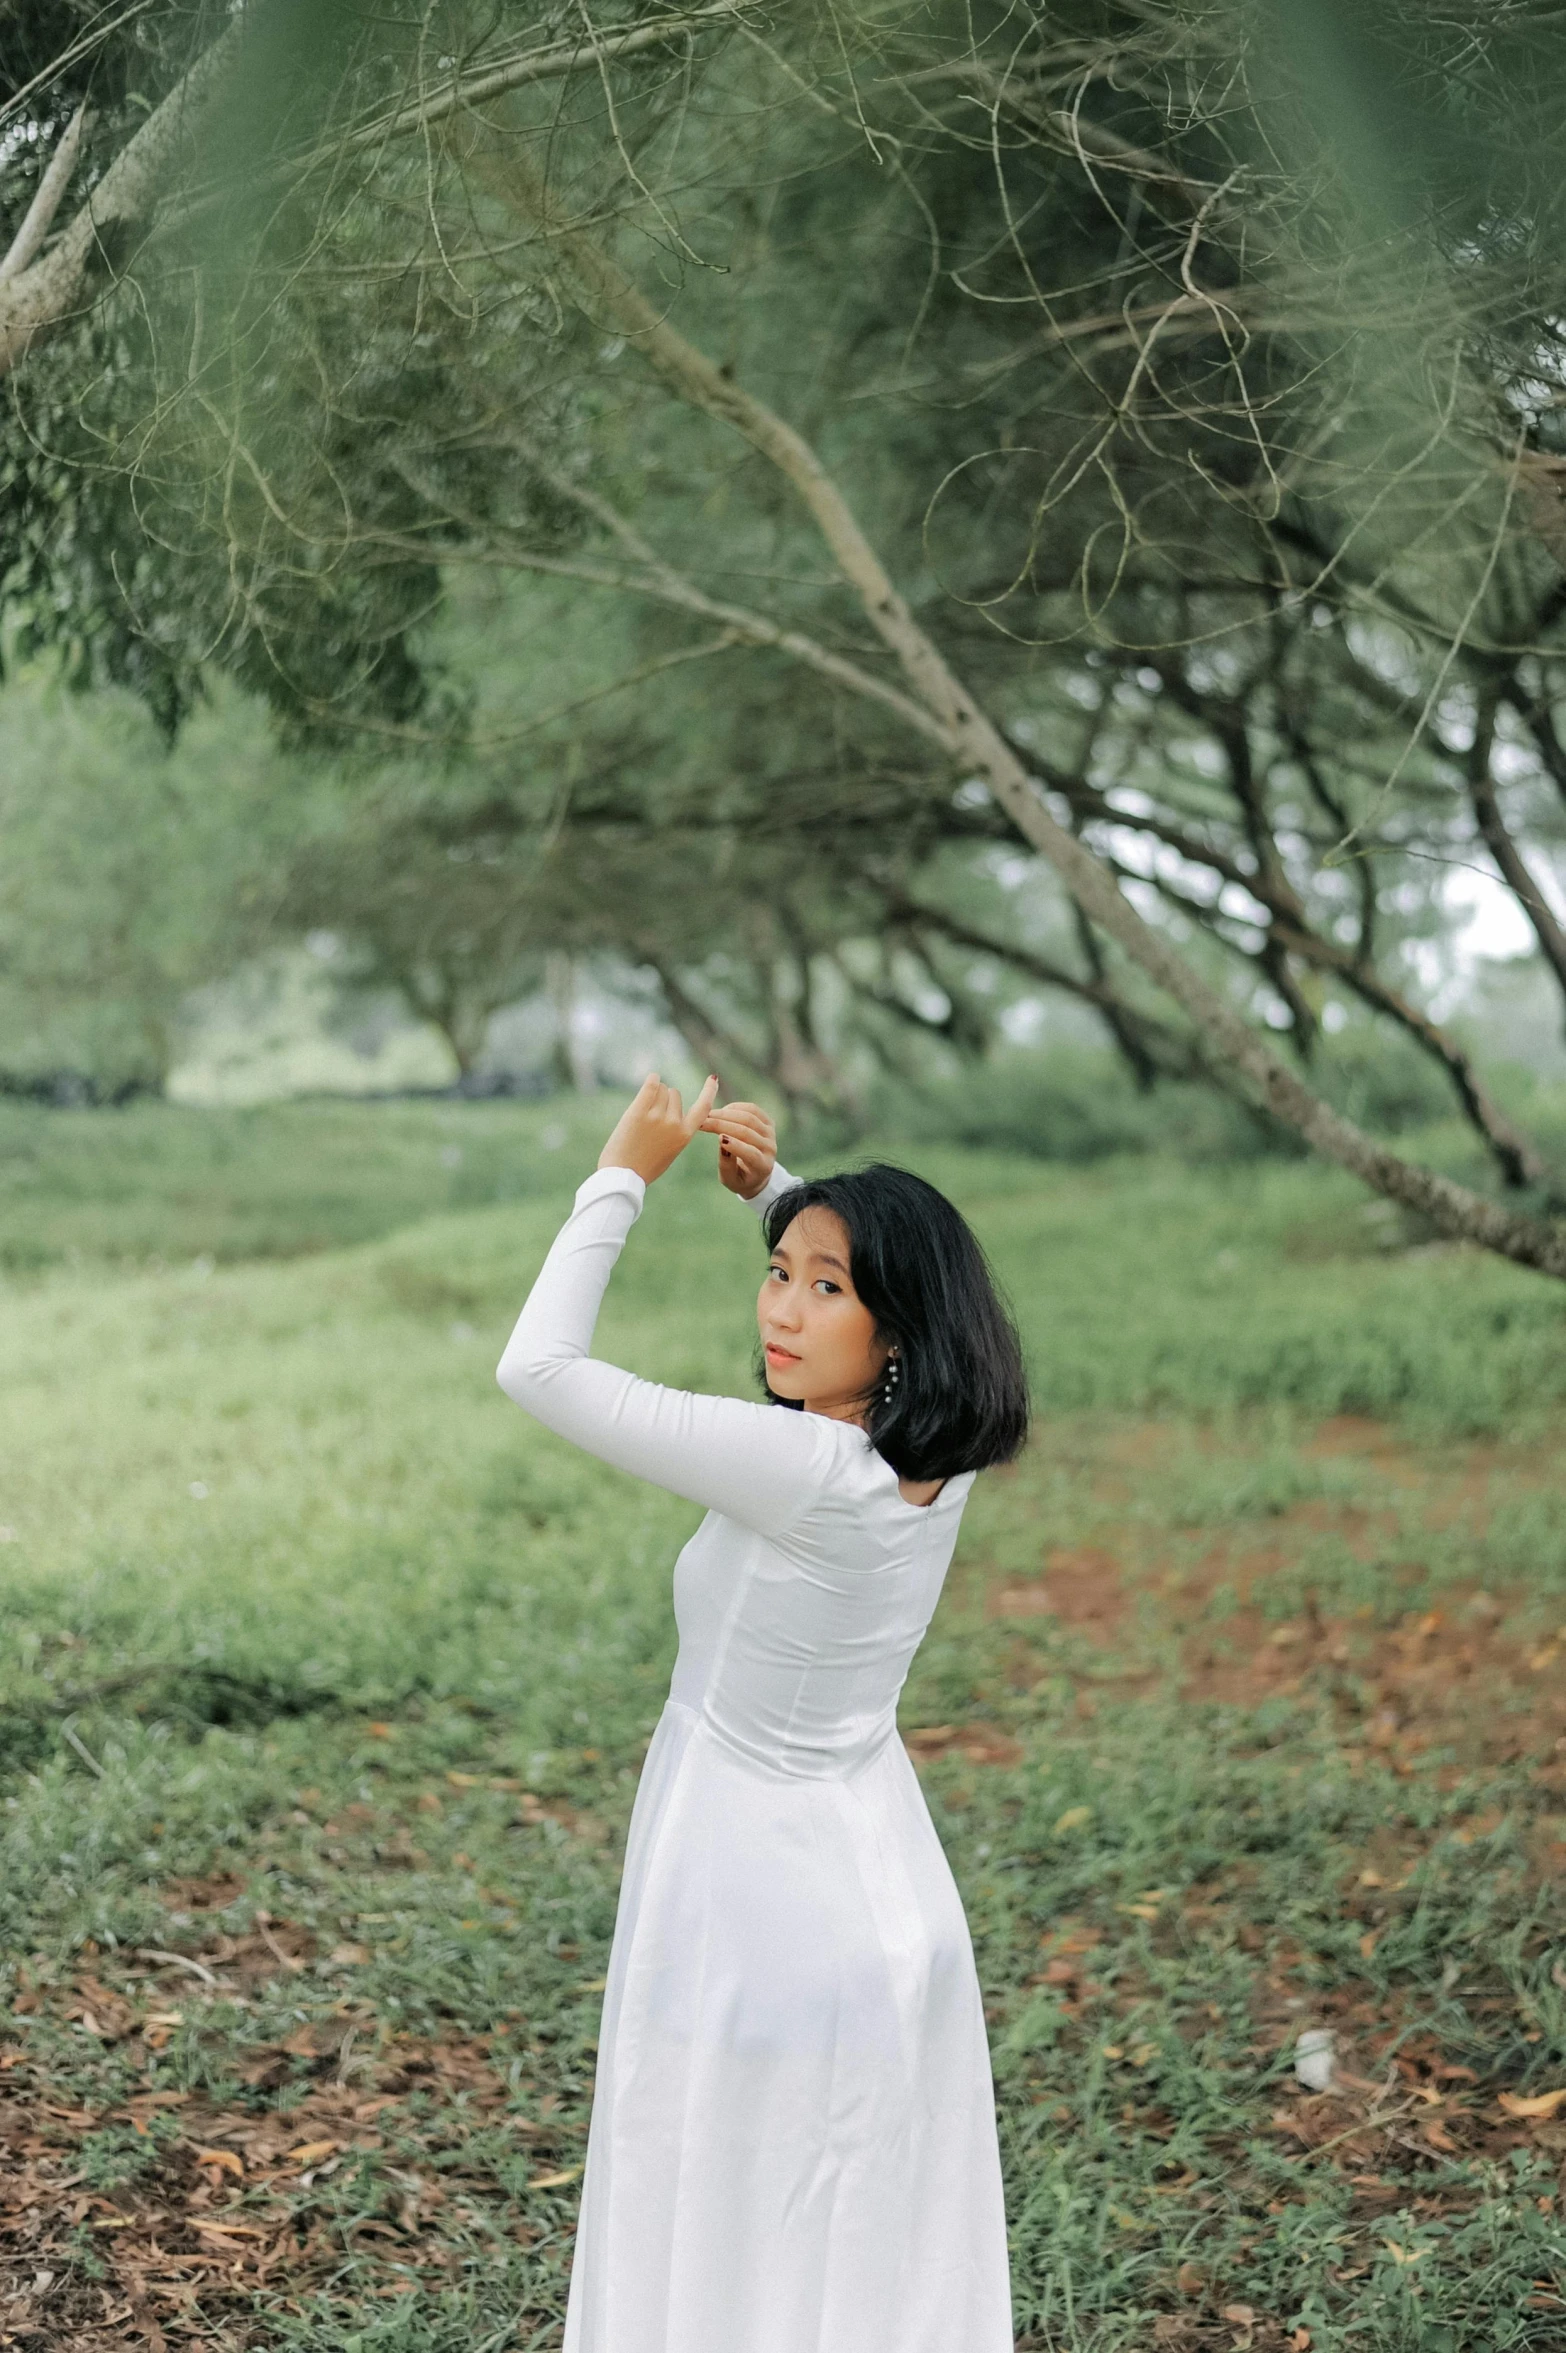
(961, 1400)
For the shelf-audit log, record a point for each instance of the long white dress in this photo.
(793, 2145)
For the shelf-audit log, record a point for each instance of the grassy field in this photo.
(325, 1679)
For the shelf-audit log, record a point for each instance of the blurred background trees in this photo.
(469, 393)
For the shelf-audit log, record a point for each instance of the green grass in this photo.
(310, 1595)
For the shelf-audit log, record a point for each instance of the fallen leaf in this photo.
(554, 2181)
(350, 1955)
(1439, 2138)
(310, 2152)
(1404, 2256)
(379, 1731)
(1073, 1818)
(1535, 2104)
(466, 1780)
(1300, 2341)
(224, 2159)
(1190, 2279)
(1369, 1941)
(1138, 1911)
(1242, 2315)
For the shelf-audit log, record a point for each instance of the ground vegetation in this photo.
(327, 1680)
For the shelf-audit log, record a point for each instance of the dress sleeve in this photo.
(758, 1464)
(778, 1183)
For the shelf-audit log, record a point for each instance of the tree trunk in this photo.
(574, 1065)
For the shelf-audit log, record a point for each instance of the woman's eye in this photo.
(776, 1274)
(825, 1285)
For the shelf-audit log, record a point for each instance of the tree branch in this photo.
(659, 582)
(55, 287)
(36, 298)
(475, 89)
(1172, 1055)
(1513, 866)
(39, 217)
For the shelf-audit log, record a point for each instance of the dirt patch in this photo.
(1451, 1677)
(1077, 1588)
(1460, 1675)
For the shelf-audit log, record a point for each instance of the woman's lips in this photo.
(777, 1355)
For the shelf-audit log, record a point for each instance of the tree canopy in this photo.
(1126, 442)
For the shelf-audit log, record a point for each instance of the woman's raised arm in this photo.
(757, 1464)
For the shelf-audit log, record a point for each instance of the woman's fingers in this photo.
(742, 1119)
(742, 1168)
(699, 1109)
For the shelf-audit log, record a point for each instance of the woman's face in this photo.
(817, 1333)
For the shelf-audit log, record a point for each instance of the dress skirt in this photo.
(793, 2142)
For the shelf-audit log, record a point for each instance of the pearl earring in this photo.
(894, 1373)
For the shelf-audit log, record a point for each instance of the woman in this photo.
(793, 2138)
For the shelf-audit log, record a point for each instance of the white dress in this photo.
(793, 2144)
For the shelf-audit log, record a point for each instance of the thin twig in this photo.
(84, 1752)
(147, 1952)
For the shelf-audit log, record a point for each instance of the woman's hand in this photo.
(747, 1146)
(654, 1129)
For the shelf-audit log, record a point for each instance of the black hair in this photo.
(960, 1401)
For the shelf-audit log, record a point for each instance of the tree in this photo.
(129, 874)
(1115, 409)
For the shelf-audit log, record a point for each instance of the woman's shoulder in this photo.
(861, 1479)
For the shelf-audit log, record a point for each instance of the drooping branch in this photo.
(977, 747)
(1159, 1046)
(1517, 1157)
(588, 53)
(1118, 1020)
(1289, 932)
(1512, 865)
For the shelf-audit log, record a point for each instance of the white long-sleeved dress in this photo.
(793, 2145)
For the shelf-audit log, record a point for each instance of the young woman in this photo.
(793, 2138)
